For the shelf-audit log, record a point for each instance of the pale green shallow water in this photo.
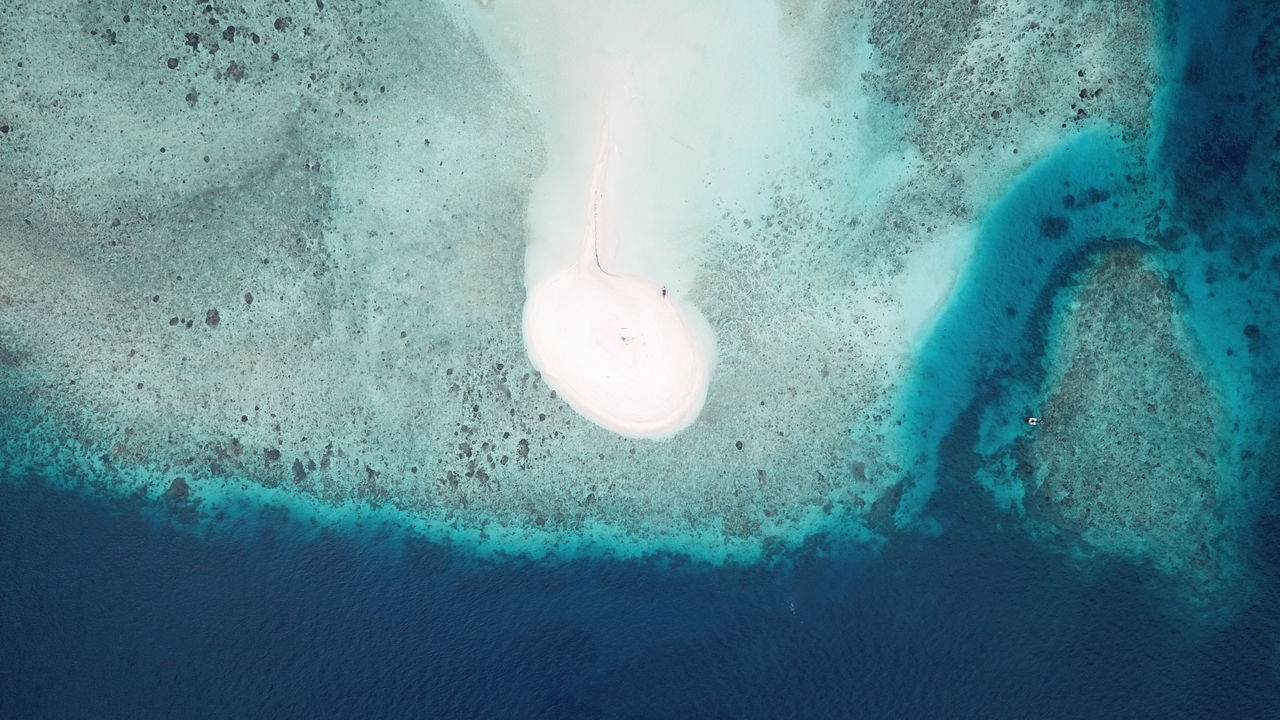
(349, 193)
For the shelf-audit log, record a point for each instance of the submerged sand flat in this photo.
(298, 260)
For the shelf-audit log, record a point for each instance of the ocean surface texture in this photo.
(271, 444)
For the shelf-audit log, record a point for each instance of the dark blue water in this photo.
(106, 613)
(112, 608)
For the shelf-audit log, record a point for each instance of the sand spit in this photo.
(618, 348)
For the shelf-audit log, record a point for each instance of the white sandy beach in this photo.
(618, 348)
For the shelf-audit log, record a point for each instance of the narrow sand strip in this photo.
(617, 348)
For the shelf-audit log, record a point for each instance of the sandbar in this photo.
(618, 348)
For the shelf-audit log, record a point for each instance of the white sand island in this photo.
(618, 348)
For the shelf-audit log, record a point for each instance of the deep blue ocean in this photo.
(117, 608)
(106, 612)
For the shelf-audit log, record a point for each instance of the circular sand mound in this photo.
(617, 348)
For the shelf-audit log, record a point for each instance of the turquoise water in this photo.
(993, 325)
(270, 441)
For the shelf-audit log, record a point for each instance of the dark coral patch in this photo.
(178, 492)
(1054, 226)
